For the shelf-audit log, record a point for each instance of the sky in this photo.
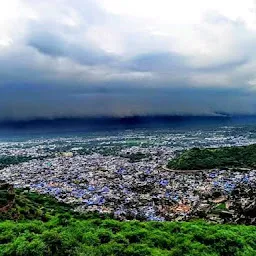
(86, 58)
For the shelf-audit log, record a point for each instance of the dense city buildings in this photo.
(125, 175)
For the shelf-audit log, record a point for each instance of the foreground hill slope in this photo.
(38, 225)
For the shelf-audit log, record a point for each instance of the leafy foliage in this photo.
(65, 233)
(31, 206)
(208, 158)
(135, 157)
(9, 160)
(83, 237)
(6, 161)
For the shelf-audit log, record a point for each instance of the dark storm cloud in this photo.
(77, 59)
(158, 62)
(166, 61)
(31, 103)
(52, 45)
(48, 43)
(224, 66)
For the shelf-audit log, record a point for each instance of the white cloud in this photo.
(105, 38)
(14, 15)
(182, 11)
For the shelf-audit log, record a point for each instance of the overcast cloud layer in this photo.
(62, 58)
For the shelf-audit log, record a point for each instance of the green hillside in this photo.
(45, 227)
(209, 158)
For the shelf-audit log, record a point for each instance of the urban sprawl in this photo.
(128, 187)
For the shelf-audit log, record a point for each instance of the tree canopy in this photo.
(209, 158)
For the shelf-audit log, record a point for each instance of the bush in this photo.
(73, 235)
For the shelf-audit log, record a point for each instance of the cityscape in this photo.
(126, 175)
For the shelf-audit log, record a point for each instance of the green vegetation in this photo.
(50, 228)
(135, 157)
(6, 161)
(31, 206)
(9, 160)
(69, 236)
(209, 158)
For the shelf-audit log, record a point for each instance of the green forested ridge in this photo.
(8, 160)
(51, 228)
(135, 157)
(208, 158)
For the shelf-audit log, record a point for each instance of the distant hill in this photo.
(209, 158)
(119, 122)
